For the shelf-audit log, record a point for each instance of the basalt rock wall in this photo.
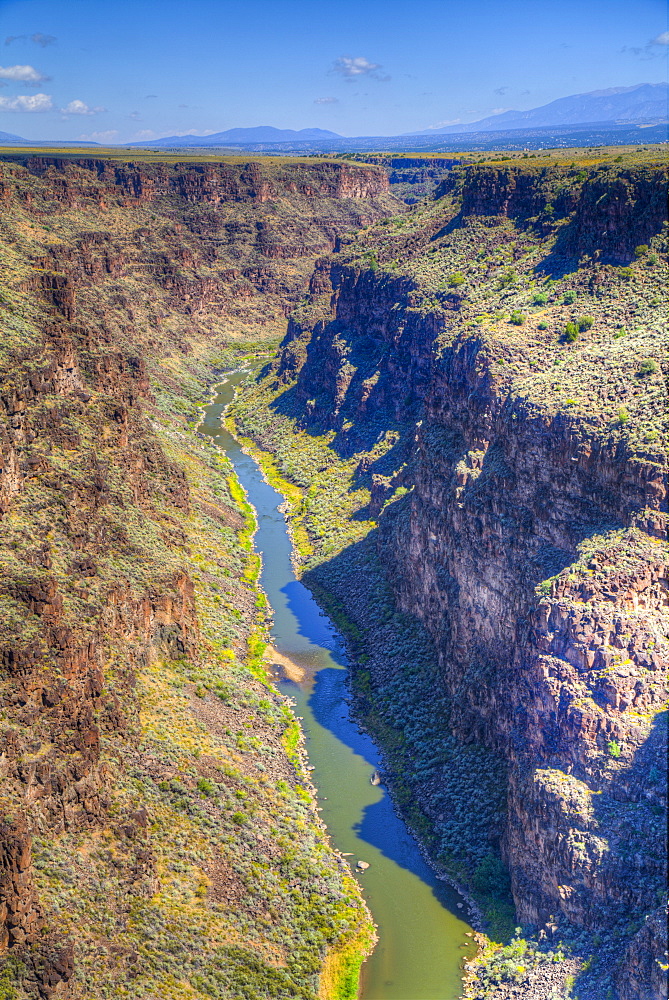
(226, 244)
(57, 704)
(204, 183)
(606, 212)
(112, 270)
(531, 547)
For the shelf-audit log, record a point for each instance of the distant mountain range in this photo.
(245, 137)
(646, 102)
(9, 139)
(610, 116)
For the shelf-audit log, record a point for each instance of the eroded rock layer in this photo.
(150, 795)
(490, 368)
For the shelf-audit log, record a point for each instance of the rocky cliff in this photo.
(487, 370)
(148, 790)
(196, 250)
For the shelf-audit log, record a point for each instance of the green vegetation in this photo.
(197, 850)
(352, 455)
(508, 278)
(515, 965)
(648, 367)
(206, 860)
(405, 715)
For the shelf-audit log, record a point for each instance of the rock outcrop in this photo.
(531, 541)
(128, 287)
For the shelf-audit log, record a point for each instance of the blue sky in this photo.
(118, 70)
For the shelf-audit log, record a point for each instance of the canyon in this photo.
(478, 501)
(513, 484)
(151, 780)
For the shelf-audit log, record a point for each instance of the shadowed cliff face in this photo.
(129, 622)
(530, 543)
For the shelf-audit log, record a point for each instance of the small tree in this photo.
(569, 297)
(456, 279)
(585, 323)
(508, 278)
(571, 333)
(647, 367)
(517, 318)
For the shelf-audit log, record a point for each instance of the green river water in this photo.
(420, 919)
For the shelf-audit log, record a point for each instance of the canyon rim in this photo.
(457, 380)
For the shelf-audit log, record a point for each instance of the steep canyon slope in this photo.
(473, 401)
(150, 785)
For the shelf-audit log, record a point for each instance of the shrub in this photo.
(542, 326)
(540, 299)
(569, 297)
(641, 250)
(626, 273)
(456, 279)
(517, 318)
(585, 323)
(206, 788)
(491, 877)
(623, 415)
(239, 818)
(570, 333)
(508, 278)
(647, 367)
(614, 748)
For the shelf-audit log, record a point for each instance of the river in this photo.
(422, 936)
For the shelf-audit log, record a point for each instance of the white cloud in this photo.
(351, 67)
(101, 136)
(27, 102)
(22, 74)
(78, 107)
(326, 100)
(145, 133)
(662, 39)
(499, 111)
